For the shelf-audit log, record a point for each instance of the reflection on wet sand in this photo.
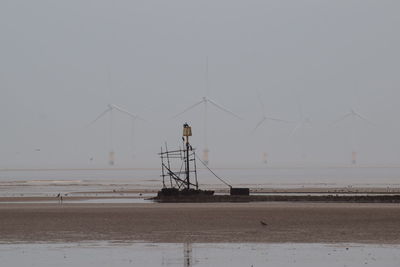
(100, 254)
(187, 254)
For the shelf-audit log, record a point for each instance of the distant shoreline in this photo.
(294, 166)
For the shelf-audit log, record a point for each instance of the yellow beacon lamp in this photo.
(187, 131)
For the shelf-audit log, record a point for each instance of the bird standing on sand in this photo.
(263, 223)
(60, 198)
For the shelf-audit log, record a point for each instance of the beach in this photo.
(104, 217)
(201, 222)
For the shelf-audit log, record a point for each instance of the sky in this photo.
(63, 62)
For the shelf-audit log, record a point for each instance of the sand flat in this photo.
(202, 223)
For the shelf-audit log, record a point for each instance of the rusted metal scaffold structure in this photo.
(180, 178)
(180, 183)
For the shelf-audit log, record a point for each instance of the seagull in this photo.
(263, 223)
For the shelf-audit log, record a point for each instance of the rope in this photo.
(205, 165)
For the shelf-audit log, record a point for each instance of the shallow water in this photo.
(229, 254)
(85, 201)
(52, 182)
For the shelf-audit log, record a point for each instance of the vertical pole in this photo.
(111, 153)
(354, 157)
(195, 170)
(265, 158)
(133, 138)
(187, 254)
(187, 163)
(207, 86)
(205, 124)
(169, 165)
(187, 131)
(162, 168)
(205, 151)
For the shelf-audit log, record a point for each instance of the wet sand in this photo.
(56, 200)
(201, 223)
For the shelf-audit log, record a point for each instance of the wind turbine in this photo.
(111, 108)
(266, 119)
(302, 123)
(206, 101)
(352, 114)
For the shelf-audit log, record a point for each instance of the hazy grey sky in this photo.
(62, 62)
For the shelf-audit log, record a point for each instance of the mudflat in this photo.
(201, 222)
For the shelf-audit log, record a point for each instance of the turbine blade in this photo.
(261, 103)
(297, 128)
(101, 115)
(126, 112)
(223, 109)
(362, 118)
(277, 120)
(343, 117)
(189, 108)
(259, 124)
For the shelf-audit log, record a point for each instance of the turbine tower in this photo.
(352, 114)
(265, 119)
(111, 109)
(302, 123)
(206, 101)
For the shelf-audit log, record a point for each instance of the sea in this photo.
(45, 182)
